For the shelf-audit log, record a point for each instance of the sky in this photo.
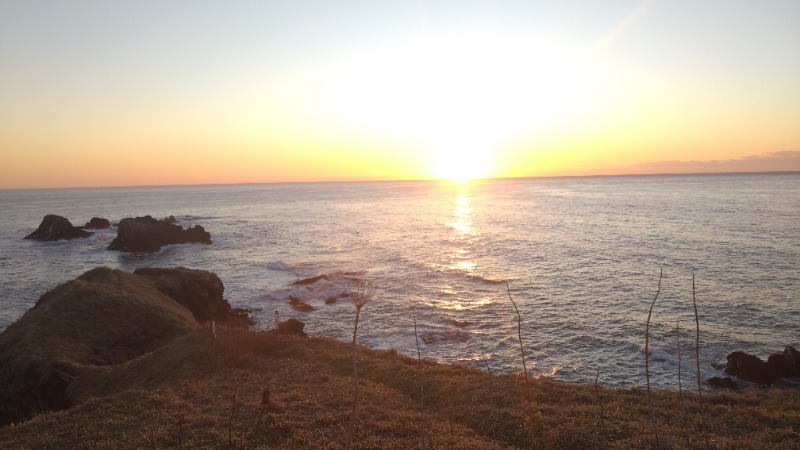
(113, 93)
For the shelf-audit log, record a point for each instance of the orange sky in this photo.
(98, 95)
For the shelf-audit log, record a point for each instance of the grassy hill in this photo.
(199, 392)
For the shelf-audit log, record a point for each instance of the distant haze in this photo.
(97, 93)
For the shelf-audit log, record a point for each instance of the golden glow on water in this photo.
(459, 304)
(461, 234)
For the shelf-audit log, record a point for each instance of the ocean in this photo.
(581, 257)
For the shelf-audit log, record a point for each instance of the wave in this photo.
(444, 336)
(458, 323)
(483, 280)
(280, 266)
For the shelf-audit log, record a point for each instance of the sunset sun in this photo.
(459, 96)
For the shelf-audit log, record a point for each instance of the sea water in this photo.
(581, 257)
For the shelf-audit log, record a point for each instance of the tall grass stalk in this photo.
(647, 355)
(602, 410)
(519, 335)
(697, 359)
(678, 339)
(416, 340)
(697, 344)
(647, 337)
(361, 292)
(230, 418)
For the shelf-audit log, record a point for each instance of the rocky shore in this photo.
(130, 360)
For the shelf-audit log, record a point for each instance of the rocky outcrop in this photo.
(146, 234)
(97, 223)
(198, 291)
(299, 305)
(103, 318)
(748, 367)
(786, 364)
(54, 228)
(292, 326)
(754, 369)
(723, 383)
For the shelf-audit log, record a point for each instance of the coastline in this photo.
(199, 393)
(182, 386)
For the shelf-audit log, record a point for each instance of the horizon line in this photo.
(421, 180)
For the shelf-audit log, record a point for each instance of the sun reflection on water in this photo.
(460, 258)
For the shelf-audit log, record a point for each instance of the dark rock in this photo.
(292, 326)
(55, 227)
(786, 364)
(299, 305)
(748, 367)
(310, 280)
(199, 291)
(723, 383)
(330, 300)
(146, 234)
(97, 223)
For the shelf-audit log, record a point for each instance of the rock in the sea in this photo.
(54, 228)
(299, 305)
(97, 223)
(146, 234)
(748, 367)
(292, 326)
(310, 280)
(105, 317)
(786, 364)
(723, 383)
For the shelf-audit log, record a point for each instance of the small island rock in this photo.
(148, 235)
(54, 228)
(97, 223)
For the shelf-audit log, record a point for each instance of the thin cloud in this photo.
(622, 25)
(766, 162)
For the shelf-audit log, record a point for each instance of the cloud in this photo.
(765, 162)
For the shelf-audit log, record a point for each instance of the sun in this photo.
(459, 96)
(460, 163)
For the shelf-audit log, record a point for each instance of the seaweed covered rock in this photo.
(147, 235)
(54, 228)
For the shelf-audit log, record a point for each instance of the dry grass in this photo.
(180, 396)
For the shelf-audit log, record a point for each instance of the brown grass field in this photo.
(199, 392)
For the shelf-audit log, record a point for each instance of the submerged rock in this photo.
(299, 305)
(310, 280)
(54, 228)
(146, 234)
